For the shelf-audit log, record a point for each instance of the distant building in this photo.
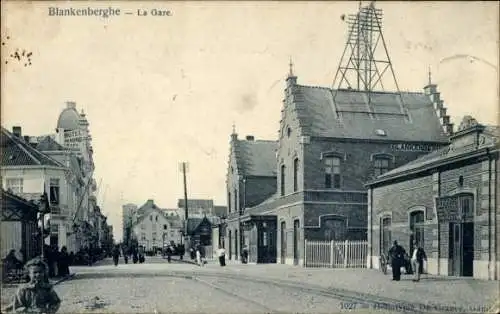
(447, 201)
(153, 228)
(196, 207)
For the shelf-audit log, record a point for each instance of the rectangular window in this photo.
(229, 201)
(332, 172)
(143, 227)
(283, 180)
(164, 227)
(151, 218)
(235, 200)
(54, 191)
(143, 236)
(381, 166)
(295, 174)
(154, 236)
(15, 185)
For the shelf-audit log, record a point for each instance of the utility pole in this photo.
(185, 199)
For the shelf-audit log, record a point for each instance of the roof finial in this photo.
(430, 75)
(234, 128)
(291, 67)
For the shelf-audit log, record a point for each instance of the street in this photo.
(157, 286)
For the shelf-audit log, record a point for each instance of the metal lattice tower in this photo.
(365, 59)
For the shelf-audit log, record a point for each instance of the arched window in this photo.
(466, 203)
(380, 165)
(417, 220)
(334, 229)
(385, 235)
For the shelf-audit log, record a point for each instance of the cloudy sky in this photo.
(161, 90)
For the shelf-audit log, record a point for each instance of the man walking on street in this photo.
(417, 260)
(396, 254)
(222, 256)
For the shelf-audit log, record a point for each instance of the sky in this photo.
(159, 90)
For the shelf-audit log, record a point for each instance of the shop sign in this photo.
(448, 208)
(411, 147)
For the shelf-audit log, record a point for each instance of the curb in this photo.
(70, 276)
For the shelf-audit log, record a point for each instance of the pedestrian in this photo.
(116, 254)
(198, 256)
(38, 295)
(169, 253)
(244, 255)
(222, 256)
(417, 261)
(396, 254)
(63, 262)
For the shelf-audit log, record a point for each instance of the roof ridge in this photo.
(21, 146)
(360, 91)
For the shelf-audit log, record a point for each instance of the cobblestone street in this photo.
(157, 286)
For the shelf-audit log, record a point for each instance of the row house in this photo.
(447, 201)
(153, 229)
(28, 173)
(250, 180)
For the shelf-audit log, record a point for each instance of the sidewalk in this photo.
(472, 295)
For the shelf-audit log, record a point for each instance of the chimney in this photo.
(70, 105)
(250, 138)
(16, 130)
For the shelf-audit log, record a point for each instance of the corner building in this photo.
(447, 201)
(328, 148)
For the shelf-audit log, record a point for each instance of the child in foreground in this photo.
(38, 295)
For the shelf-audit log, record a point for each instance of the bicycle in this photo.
(383, 263)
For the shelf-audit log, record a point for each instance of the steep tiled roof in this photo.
(316, 111)
(256, 158)
(16, 152)
(48, 144)
(192, 224)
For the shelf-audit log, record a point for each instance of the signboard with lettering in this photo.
(448, 208)
(411, 147)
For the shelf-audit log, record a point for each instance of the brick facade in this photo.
(464, 172)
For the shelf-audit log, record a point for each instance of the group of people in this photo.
(399, 258)
(136, 254)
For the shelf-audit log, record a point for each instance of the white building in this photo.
(29, 173)
(153, 229)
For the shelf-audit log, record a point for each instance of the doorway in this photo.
(283, 242)
(462, 248)
(296, 234)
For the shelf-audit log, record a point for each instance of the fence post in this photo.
(331, 254)
(305, 253)
(346, 243)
